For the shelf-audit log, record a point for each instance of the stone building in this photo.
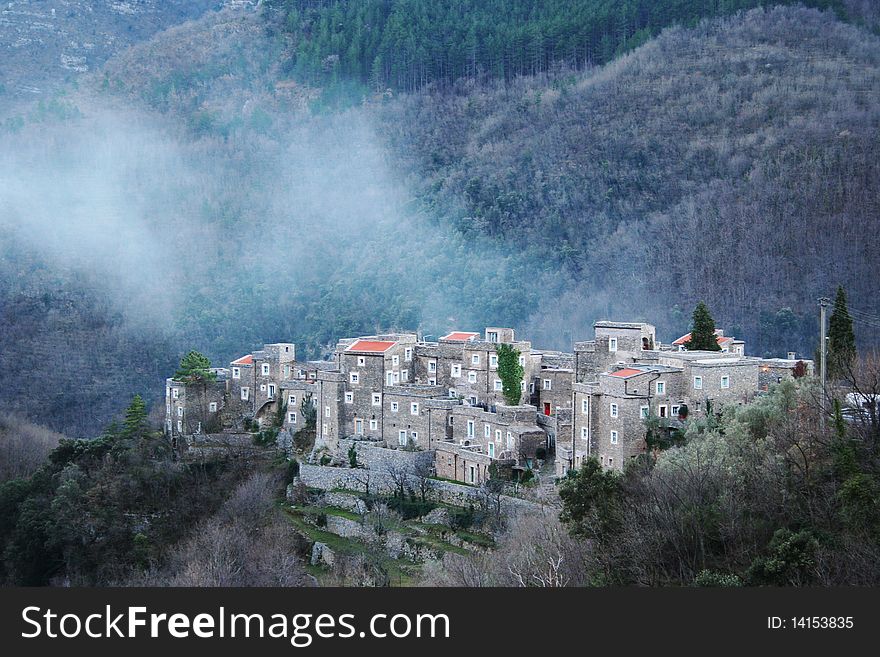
(194, 408)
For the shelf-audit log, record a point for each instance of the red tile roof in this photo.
(244, 360)
(687, 338)
(460, 336)
(626, 372)
(371, 345)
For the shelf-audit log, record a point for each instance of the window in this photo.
(324, 431)
(660, 387)
(498, 436)
(359, 427)
(291, 417)
(287, 371)
(179, 425)
(236, 372)
(472, 400)
(610, 461)
(452, 393)
(389, 378)
(522, 361)
(407, 354)
(377, 399)
(456, 371)
(265, 369)
(326, 411)
(395, 376)
(401, 437)
(374, 425)
(490, 449)
(492, 336)
(472, 474)
(472, 377)
(725, 381)
(413, 409)
(175, 393)
(613, 437)
(262, 387)
(675, 410)
(404, 375)
(291, 399)
(394, 407)
(612, 344)
(432, 366)
(585, 406)
(355, 377)
(271, 391)
(522, 386)
(644, 412)
(584, 433)
(661, 410)
(493, 360)
(509, 440)
(548, 384)
(698, 383)
(475, 359)
(395, 361)
(432, 382)
(487, 431)
(212, 407)
(349, 398)
(532, 388)
(362, 361)
(245, 394)
(497, 385)
(613, 410)
(470, 429)
(180, 411)
(415, 436)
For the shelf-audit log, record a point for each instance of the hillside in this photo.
(232, 207)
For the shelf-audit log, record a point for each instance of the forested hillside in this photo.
(406, 44)
(201, 191)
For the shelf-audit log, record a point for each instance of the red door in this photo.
(546, 408)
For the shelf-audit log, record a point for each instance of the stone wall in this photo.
(381, 459)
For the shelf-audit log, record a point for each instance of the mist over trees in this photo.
(198, 193)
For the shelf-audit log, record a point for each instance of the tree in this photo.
(510, 372)
(703, 336)
(195, 368)
(135, 424)
(841, 339)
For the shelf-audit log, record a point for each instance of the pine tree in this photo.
(841, 339)
(135, 424)
(195, 368)
(703, 336)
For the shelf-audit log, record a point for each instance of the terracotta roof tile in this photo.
(371, 346)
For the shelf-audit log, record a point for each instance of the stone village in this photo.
(444, 399)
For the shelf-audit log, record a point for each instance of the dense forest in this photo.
(407, 44)
(732, 160)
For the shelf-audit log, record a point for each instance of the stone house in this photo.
(193, 408)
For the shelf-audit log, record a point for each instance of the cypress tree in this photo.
(135, 424)
(703, 336)
(841, 339)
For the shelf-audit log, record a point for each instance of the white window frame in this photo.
(497, 385)
(362, 361)
(487, 431)
(472, 474)
(415, 436)
(644, 412)
(175, 393)
(498, 436)
(401, 437)
(615, 437)
(584, 434)
(354, 378)
(236, 372)
(349, 398)
(490, 450)
(291, 417)
(493, 360)
(510, 443)
(492, 336)
(374, 424)
(377, 399)
(180, 411)
(455, 371)
(271, 392)
(432, 366)
(660, 387)
(414, 408)
(725, 382)
(212, 407)
(404, 376)
(548, 384)
(585, 406)
(179, 426)
(358, 426)
(395, 360)
(266, 370)
(475, 359)
(522, 361)
(614, 410)
(472, 377)
(675, 409)
(470, 429)
(326, 411)
(698, 379)
(612, 344)
(407, 354)
(291, 399)
(245, 393)
(389, 378)
(394, 407)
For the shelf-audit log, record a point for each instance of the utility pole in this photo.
(824, 302)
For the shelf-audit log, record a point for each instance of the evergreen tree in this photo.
(195, 368)
(135, 424)
(703, 336)
(510, 372)
(841, 339)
